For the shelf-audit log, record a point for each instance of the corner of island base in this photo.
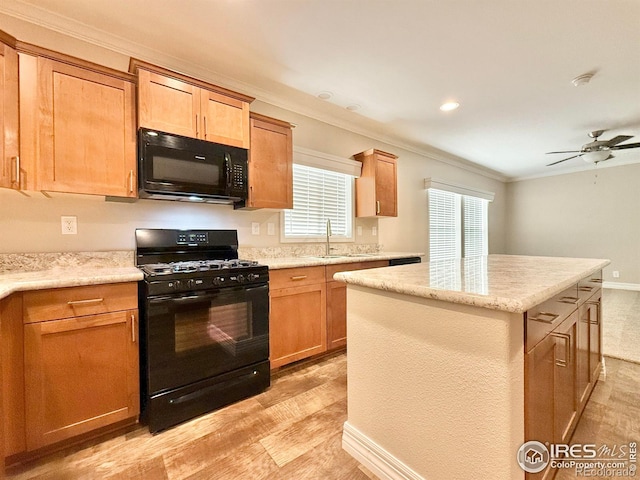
(435, 389)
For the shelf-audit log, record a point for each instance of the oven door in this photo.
(196, 336)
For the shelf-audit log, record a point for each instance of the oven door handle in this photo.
(184, 300)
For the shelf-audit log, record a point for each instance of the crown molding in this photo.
(58, 23)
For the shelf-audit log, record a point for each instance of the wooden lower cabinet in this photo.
(561, 369)
(308, 312)
(337, 301)
(80, 374)
(70, 358)
(298, 327)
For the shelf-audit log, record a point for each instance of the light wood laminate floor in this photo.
(292, 431)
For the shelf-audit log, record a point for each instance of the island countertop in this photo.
(511, 283)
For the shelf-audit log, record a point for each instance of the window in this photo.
(319, 195)
(457, 225)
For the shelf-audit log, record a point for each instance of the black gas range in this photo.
(204, 324)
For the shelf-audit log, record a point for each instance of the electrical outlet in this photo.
(359, 230)
(271, 228)
(255, 228)
(374, 231)
(616, 274)
(69, 225)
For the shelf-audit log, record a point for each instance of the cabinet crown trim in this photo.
(136, 64)
(373, 151)
(37, 51)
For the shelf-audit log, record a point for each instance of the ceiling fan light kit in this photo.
(582, 79)
(598, 150)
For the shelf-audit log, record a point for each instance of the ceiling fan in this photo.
(598, 150)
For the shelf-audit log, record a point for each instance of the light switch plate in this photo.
(255, 228)
(374, 231)
(271, 228)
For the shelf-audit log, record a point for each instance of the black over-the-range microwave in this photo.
(173, 167)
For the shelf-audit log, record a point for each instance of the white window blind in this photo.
(457, 225)
(444, 225)
(319, 195)
(474, 223)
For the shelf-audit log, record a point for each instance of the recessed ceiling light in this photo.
(325, 95)
(447, 107)
(353, 108)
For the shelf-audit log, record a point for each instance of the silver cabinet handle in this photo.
(130, 181)
(545, 320)
(197, 125)
(585, 289)
(204, 128)
(597, 320)
(563, 362)
(133, 328)
(377, 206)
(595, 280)
(298, 277)
(73, 303)
(16, 178)
(571, 300)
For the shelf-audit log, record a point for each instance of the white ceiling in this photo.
(508, 62)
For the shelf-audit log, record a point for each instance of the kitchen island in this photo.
(436, 362)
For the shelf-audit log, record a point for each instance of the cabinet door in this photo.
(297, 323)
(595, 335)
(168, 104)
(386, 197)
(12, 359)
(9, 163)
(224, 119)
(86, 131)
(80, 374)
(564, 391)
(270, 165)
(336, 315)
(539, 374)
(583, 375)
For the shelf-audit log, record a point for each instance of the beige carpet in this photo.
(621, 324)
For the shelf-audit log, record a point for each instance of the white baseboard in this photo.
(621, 286)
(374, 457)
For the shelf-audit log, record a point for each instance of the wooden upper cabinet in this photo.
(9, 126)
(270, 163)
(77, 126)
(167, 104)
(376, 188)
(174, 103)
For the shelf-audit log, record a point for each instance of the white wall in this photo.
(593, 213)
(32, 224)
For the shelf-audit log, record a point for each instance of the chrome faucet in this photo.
(328, 250)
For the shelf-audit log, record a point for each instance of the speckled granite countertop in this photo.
(37, 271)
(65, 277)
(312, 261)
(511, 283)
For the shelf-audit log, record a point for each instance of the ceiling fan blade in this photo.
(565, 151)
(564, 160)
(628, 145)
(618, 139)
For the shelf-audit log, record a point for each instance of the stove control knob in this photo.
(252, 276)
(190, 284)
(218, 280)
(240, 278)
(175, 285)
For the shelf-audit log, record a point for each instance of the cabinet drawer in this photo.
(56, 303)
(349, 267)
(543, 318)
(295, 277)
(589, 286)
